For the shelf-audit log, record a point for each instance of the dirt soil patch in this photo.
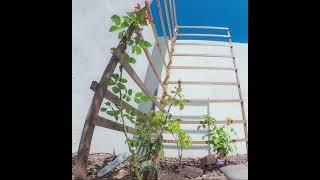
(169, 169)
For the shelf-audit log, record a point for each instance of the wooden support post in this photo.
(80, 171)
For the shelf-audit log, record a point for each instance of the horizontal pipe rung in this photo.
(203, 27)
(202, 142)
(204, 44)
(206, 35)
(202, 67)
(216, 122)
(204, 83)
(215, 100)
(204, 55)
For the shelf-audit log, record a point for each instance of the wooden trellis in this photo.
(101, 88)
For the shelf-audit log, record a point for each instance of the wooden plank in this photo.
(215, 100)
(204, 27)
(147, 53)
(205, 35)
(80, 171)
(202, 67)
(201, 142)
(216, 122)
(205, 83)
(203, 44)
(106, 123)
(203, 55)
(137, 80)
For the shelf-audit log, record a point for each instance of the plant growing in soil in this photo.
(183, 140)
(155, 122)
(218, 137)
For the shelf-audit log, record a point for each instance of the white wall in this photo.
(91, 43)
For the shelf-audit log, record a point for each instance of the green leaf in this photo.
(121, 34)
(124, 24)
(137, 100)
(179, 90)
(131, 15)
(145, 44)
(133, 112)
(115, 89)
(130, 42)
(110, 82)
(116, 19)
(123, 80)
(137, 49)
(143, 22)
(113, 113)
(107, 103)
(128, 98)
(143, 118)
(115, 76)
(113, 49)
(138, 94)
(181, 106)
(130, 92)
(121, 86)
(113, 28)
(132, 60)
(127, 19)
(145, 98)
(204, 126)
(103, 109)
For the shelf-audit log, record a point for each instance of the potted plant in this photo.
(218, 138)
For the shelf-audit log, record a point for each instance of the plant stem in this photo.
(134, 158)
(167, 116)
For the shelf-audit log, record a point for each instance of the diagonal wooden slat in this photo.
(124, 62)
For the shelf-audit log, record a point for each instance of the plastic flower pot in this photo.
(221, 159)
(221, 162)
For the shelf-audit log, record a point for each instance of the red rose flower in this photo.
(151, 21)
(138, 7)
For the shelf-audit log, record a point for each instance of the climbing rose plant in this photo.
(156, 122)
